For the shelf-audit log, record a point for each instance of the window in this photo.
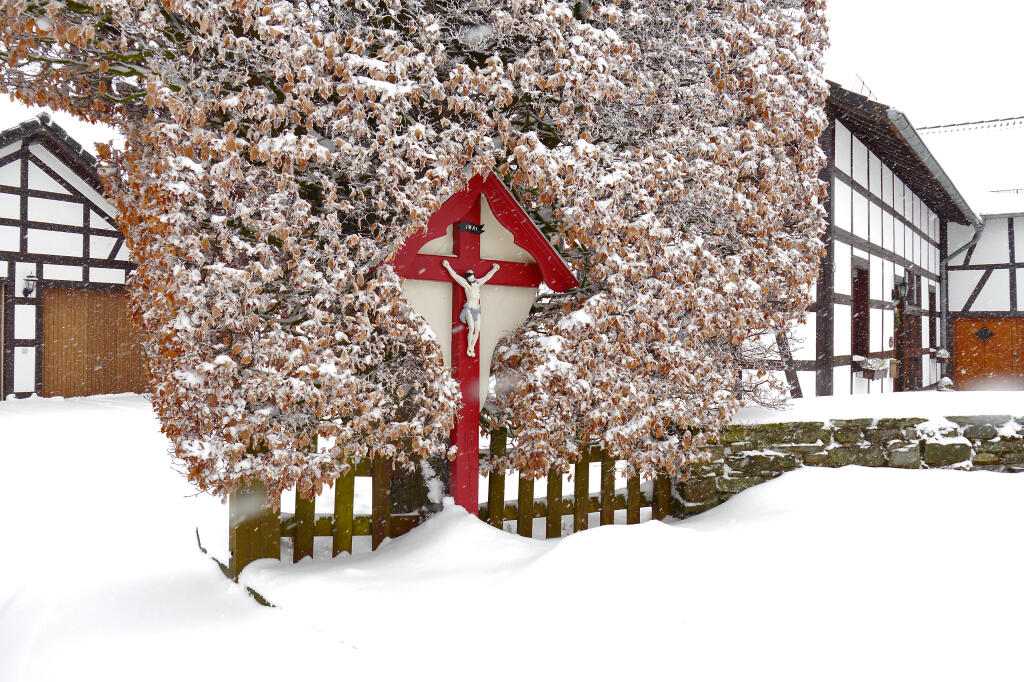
(860, 329)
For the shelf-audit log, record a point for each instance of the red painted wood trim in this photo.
(466, 434)
(510, 275)
(526, 235)
(554, 272)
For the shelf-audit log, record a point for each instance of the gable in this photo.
(509, 214)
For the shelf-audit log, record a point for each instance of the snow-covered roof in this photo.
(986, 161)
(70, 148)
(889, 135)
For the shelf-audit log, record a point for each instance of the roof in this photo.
(553, 271)
(66, 146)
(889, 135)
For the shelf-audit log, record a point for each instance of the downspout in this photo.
(910, 136)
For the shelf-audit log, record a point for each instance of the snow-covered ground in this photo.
(818, 575)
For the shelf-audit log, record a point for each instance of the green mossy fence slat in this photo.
(255, 531)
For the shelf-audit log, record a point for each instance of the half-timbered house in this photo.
(877, 321)
(63, 264)
(986, 294)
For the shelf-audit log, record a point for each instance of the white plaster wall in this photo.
(841, 279)
(957, 235)
(875, 278)
(38, 179)
(876, 340)
(859, 253)
(54, 211)
(860, 163)
(72, 178)
(803, 344)
(114, 276)
(10, 149)
(1018, 238)
(100, 247)
(996, 293)
(888, 321)
(55, 243)
(123, 253)
(24, 370)
(875, 174)
(841, 380)
(3, 273)
(875, 224)
(98, 222)
(24, 322)
(841, 211)
(10, 238)
(10, 174)
(842, 148)
(860, 385)
(842, 327)
(887, 229)
(10, 206)
(994, 245)
(961, 284)
(808, 383)
(897, 195)
(886, 185)
(1020, 287)
(899, 238)
(860, 215)
(70, 273)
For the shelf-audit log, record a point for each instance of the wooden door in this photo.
(987, 353)
(89, 347)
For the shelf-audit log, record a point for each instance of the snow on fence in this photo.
(256, 532)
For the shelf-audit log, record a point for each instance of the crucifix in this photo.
(480, 229)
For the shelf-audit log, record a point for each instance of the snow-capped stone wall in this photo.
(748, 454)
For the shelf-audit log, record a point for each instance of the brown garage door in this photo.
(89, 347)
(988, 353)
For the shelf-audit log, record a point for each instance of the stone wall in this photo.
(750, 454)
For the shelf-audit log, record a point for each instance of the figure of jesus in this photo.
(470, 315)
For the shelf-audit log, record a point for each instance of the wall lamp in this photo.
(901, 289)
(30, 286)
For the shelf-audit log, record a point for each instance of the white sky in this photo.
(937, 61)
(942, 62)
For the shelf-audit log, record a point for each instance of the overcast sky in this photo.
(937, 61)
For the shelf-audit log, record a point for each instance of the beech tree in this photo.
(279, 152)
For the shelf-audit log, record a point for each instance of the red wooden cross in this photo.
(410, 264)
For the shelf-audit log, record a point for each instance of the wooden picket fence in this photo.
(256, 532)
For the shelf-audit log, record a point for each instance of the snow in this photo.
(926, 404)
(844, 574)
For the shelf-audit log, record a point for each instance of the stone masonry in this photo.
(750, 454)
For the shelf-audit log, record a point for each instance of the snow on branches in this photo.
(693, 202)
(279, 152)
